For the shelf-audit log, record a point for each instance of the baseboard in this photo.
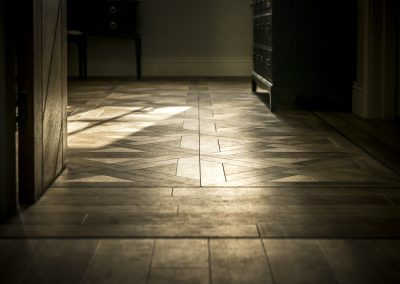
(196, 67)
(171, 67)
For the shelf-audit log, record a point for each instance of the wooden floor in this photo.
(195, 181)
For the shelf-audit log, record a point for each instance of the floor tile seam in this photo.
(243, 152)
(263, 177)
(131, 176)
(91, 260)
(256, 173)
(209, 262)
(269, 264)
(23, 274)
(233, 160)
(164, 176)
(101, 101)
(199, 136)
(266, 178)
(290, 187)
(83, 114)
(335, 277)
(188, 237)
(223, 168)
(86, 216)
(303, 184)
(150, 264)
(91, 126)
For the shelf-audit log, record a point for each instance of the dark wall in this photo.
(7, 120)
(398, 60)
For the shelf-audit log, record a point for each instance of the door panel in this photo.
(53, 93)
(43, 79)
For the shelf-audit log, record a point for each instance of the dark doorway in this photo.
(398, 61)
(42, 89)
(33, 78)
(7, 115)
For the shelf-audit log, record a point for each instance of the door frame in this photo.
(30, 84)
(41, 34)
(398, 61)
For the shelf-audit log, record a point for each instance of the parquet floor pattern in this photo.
(200, 135)
(195, 181)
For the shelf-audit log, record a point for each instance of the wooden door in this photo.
(7, 116)
(43, 86)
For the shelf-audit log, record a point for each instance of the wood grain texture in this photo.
(43, 140)
(205, 158)
(296, 202)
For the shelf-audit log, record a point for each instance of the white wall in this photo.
(180, 38)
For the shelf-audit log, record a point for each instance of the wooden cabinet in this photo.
(304, 51)
(114, 17)
(121, 18)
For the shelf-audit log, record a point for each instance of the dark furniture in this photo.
(304, 51)
(80, 39)
(120, 18)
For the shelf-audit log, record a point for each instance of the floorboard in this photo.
(196, 181)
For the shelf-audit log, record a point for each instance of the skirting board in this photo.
(197, 67)
(159, 67)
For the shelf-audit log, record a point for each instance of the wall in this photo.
(374, 92)
(180, 38)
(360, 86)
(398, 60)
(7, 124)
